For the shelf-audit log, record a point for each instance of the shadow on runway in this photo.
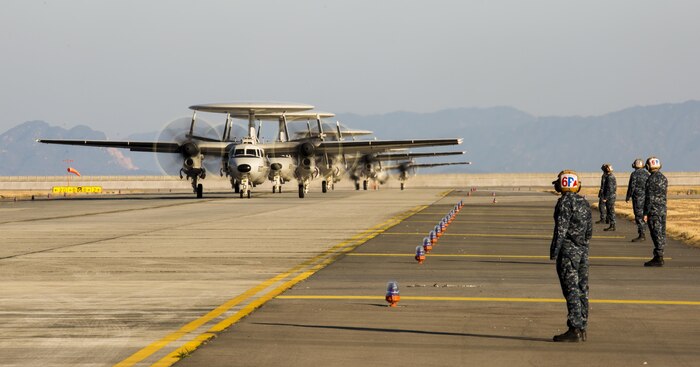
(552, 263)
(422, 332)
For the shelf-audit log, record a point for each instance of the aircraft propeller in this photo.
(189, 153)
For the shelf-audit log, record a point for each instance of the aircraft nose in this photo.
(276, 166)
(244, 168)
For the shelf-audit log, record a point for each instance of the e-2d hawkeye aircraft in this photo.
(369, 167)
(246, 160)
(407, 169)
(304, 167)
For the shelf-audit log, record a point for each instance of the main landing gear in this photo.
(303, 188)
(194, 175)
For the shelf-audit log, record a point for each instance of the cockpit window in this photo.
(250, 152)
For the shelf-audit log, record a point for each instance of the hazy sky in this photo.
(131, 66)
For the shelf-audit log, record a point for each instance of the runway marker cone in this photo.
(433, 237)
(427, 245)
(438, 231)
(420, 254)
(392, 293)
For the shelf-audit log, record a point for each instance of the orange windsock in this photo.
(73, 171)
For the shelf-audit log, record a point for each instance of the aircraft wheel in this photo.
(357, 185)
(402, 186)
(301, 191)
(324, 187)
(274, 188)
(248, 194)
(236, 188)
(280, 190)
(240, 193)
(200, 190)
(364, 185)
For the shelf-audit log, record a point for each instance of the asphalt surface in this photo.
(128, 280)
(487, 295)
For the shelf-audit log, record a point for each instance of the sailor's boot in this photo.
(573, 335)
(611, 228)
(640, 238)
(656, 261)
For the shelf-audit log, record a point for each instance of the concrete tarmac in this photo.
(129, 280)
(487, 295)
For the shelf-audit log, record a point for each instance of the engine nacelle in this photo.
(190, 149)
(307, 149)
(192, 162)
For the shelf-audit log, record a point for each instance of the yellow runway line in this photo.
(317, 262)
(635, 258)
(528, 235)
(500, 299)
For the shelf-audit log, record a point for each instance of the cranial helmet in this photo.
(638, 163)
(567, 181)
(607, 168)
(653, 164)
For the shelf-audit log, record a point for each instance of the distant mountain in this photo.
(504, 139)
(21, 155)
(497, 139)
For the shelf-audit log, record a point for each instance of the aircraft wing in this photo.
(425, 165)
(409, 165)
(372, 146)
(408, 155)
(207, 148)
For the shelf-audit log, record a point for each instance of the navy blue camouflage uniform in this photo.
(573, 229)
(655, 210)
(635, 192)
(609, 195)
(601, 203)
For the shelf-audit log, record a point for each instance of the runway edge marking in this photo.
(326, 258)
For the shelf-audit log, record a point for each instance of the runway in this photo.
(144, 280)
(94, 281)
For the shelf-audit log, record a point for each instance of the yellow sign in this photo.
(77, 189)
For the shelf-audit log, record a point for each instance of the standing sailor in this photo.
(601, 202)
(655, 209)
(635, 191)
(573, 227)
(609, 196)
